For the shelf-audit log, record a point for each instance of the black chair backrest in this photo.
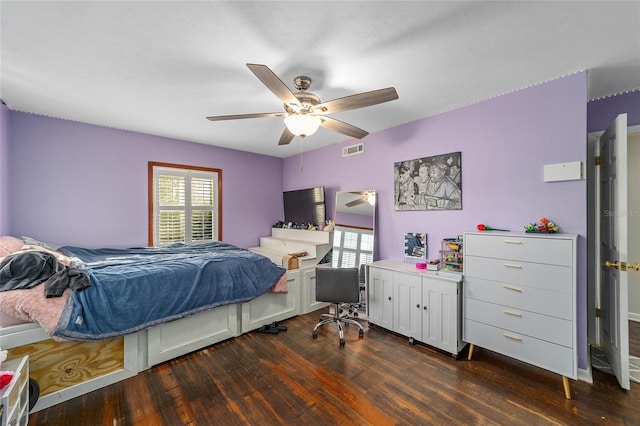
(337, 285)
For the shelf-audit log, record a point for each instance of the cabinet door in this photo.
(407, 305)
(309, 303)
(380, 294)
(440, 314)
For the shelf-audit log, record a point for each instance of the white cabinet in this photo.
(520, 298)
(422, 305)
(308, 302)
(14, 398)
(285, 241)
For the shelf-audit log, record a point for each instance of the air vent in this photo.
(353, 149)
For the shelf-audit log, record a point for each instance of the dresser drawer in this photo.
(553, 251)
(532, 299)
(555, 358)
(519, 273)
(520, 321)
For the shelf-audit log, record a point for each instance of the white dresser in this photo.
(520, 298)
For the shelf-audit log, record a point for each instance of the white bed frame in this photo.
(146, 348)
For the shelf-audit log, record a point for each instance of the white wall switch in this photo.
(564, 171)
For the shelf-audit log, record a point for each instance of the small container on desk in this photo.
(451, 254)
(14, 398)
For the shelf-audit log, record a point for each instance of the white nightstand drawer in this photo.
(520, 321)
(519, 247)
(519, 273)
(555, 358)
(521, 297)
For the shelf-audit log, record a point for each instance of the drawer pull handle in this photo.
(511, 265)
(512, 337)
(510, 287)
(515, 314)
(512, 242)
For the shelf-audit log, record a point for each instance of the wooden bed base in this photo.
(70, 369)
(65, 370)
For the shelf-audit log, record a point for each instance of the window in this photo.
(352, 247)
(184, 204)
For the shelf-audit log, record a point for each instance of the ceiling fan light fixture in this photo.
(302, 124)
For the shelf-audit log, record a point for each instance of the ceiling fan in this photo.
(367, 197)
(304, 112)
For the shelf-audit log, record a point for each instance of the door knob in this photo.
(608, 264)
(623, 266)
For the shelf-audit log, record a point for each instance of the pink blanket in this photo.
(31, 305)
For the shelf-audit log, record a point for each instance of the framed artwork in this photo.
(415, 247)
(429, 183)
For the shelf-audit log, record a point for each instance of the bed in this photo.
(94, 336)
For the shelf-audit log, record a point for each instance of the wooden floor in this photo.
(292, 379)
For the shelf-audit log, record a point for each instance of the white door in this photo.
(613, 324)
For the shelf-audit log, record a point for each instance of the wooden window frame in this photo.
(150, 195)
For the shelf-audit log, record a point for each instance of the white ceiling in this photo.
(161, 67)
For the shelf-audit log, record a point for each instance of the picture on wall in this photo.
(429, 183)
(415, 246)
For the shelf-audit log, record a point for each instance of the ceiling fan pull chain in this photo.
(301, 137)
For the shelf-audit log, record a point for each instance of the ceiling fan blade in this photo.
(356, 202)
(344, 128)
(238, 116)
(359, 100)
(273, 83)
(286, 137)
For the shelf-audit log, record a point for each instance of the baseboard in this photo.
(634, 317)
(585, 375)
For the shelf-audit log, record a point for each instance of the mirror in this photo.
(353, 238)
(415, 247)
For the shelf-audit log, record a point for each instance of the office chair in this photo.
(337, 286)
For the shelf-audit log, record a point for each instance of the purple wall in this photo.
(505, 142)
(78, 184)
(67, 176)
(4, 170)
(602, 112)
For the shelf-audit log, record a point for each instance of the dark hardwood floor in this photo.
(292, 379)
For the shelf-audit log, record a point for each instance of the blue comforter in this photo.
(132, 289)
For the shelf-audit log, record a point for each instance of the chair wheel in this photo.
(342, 342)
(361, 333)
(412, 341)
(314, 334)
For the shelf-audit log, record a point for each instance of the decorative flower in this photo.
(483, 227)
(545, 225)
